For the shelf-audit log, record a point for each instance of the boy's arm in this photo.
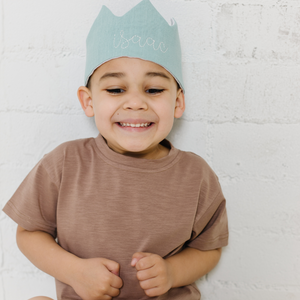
(191, 264)
(96, 276)
(158, 275)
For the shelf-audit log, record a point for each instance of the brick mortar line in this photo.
(68, 53)
(241, 121)
(2, 30)
(43, 112)
(2, 294)
(255, 286)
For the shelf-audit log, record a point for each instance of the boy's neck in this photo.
(160, 151)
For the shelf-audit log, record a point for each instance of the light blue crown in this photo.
(141, 33)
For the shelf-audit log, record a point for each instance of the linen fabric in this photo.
(99, 203)
(140, 33)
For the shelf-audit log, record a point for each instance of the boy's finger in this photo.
(137, 256)
(112, 266)
(146, 274)
(117, 282)
(145, 263)
(113, 292)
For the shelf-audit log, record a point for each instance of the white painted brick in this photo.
(263, 32)
(233, 291)
(2, 289)
(268, 151)
(274, 213)
(189, 136)
(1, 30)
(18, 271)
(46, 132)
(41, 82)
(259, 93)
(1, 51)
(197, 91)
(55, 25)
(25, 288)
(195, 31)
(264, 236)
(14, 260)
(256, 257)
(1, 248)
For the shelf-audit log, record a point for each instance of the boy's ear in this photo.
(85, 98)
(180, 104)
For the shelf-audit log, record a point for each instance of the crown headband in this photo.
(140, 33)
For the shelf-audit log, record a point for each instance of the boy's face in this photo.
(134, 103)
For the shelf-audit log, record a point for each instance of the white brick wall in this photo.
(241, 63)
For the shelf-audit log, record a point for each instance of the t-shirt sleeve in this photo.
(210, 229)
(33, 205)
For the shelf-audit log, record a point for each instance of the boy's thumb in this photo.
(112, 266)
(137, 256)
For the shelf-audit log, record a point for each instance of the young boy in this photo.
(124, 215)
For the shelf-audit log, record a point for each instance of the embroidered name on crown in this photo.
(125, 43)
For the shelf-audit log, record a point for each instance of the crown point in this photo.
(105, 9)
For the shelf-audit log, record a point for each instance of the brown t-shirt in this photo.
(99, 203)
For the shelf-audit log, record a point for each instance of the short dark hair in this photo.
(88, 85)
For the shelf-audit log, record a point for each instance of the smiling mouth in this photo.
(135, 125)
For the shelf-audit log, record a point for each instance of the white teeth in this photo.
(135, 125)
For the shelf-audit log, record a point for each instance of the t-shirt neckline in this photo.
(143, 164)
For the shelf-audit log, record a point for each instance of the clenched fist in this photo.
(97, 279)
(153, 272)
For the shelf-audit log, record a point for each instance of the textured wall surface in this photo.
(241, 61)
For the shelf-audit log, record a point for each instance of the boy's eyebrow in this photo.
(161, 74)
(108, 75)
(120, 75)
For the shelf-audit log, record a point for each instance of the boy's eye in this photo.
(115, 91)
(154, 91)
(119, 91)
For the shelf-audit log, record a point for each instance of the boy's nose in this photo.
(135, 102)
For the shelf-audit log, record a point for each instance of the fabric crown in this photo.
(140, 33)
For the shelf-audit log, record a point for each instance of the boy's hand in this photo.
(153, 272)
(97, 279)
